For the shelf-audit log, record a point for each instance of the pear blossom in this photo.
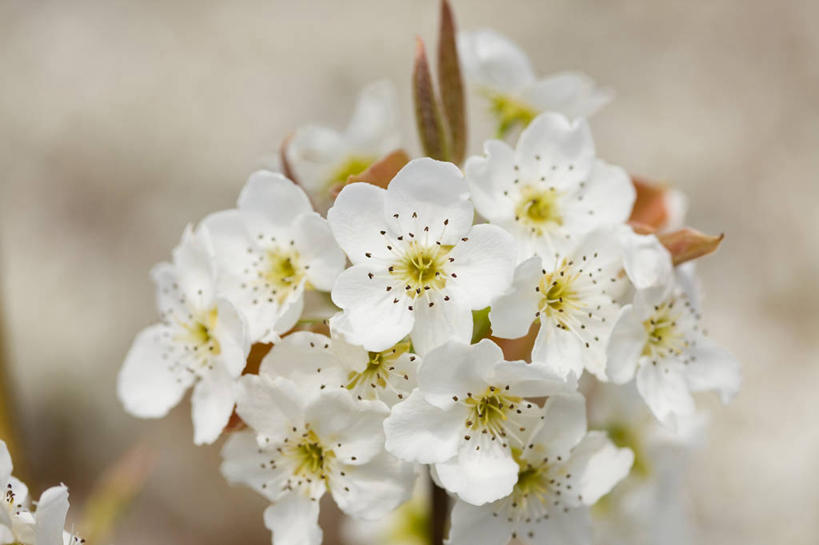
(305, 441)
(561, 469)
(315, 359)
(407, 525)
(550, 190)
(419, 266)
(466, 415)
(649, 506)
(658, 340)
(19, 525)
(575, 299)
(502, 72)
(269, 251)
(200, 342)
(322, 158)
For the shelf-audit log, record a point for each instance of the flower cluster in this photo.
(22, 525)
(427, 314)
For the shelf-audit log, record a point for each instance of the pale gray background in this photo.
(122, 121)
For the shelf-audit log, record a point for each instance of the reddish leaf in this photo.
(650, 207)
(451, 85)
(687, 244)
(382, 171)
(427, 113)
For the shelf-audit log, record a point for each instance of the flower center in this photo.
(539, 209)
(490, 411)
(200, 332)
(379, 368)
(421, 268)
(284, 273)
(311, 458)
(352, 165)
(511, 113)
(665, 338)
(559, 300)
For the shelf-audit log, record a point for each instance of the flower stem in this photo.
(440, 511)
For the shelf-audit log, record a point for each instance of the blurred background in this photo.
(121, 121)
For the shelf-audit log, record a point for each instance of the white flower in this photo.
(419, 266)
(550, 190)
(659, 340)
(502, 72)
(560, 470)
(201, 341)
(649, 506)
(314, 359)
(469, 409)
(21, 526)
(269, 250)
(322, 159)
(407, 525)
(305, 441)
(575, 300)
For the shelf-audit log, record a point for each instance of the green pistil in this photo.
(352, 166)
(510, 112)
(489, 411)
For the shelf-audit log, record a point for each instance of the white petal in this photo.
(313, 153)
(195, 268)
(607, 199)
(564, 423)
(488, 177)
(482, 475)
(243, 462)
(373, 127)
(50, 518)
(231, 332)
(557, 148)
(665, 390)
(170, 299)
(570, 93)
(270, 405)
(274, 197)
(146, 385)
(419, 432)
(529, 380)
(353, 428)
(212, 404)
(357, 219)
(318, 248)
(374, 489)
(599, 465)
(293, 519)
(559, 350)
(491, 60)
(647, 262)
(430, 194)
(455, 369)
(625, 346)
(288, 319)
(713, 368)
(301, 357)
(512, 314)
(371, 318)
(443, 322)
(6, 466)
(484, 264)
(474, 525)
(562, 528)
